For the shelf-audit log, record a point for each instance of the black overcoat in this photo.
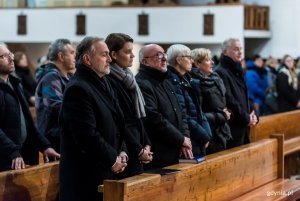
(236, 99)
(92, 137)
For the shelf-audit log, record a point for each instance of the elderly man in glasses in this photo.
(19, 139)
(165, 122)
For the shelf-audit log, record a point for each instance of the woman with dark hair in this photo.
(23, 72)
(131, 101)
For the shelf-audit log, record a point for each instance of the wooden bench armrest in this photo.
(35, 183)
(279, 189)
(291, 145)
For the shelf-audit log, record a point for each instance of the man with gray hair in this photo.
(231, 72)
(52, 79)
(93, 126)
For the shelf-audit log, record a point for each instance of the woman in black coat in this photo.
(288, 87)
(213, 99)
(131, 101)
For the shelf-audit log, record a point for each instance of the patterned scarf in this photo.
(125, 75)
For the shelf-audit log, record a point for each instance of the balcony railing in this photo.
(256, 17)
(81, 3)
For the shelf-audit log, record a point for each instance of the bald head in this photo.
(146, 50)
(153, 56)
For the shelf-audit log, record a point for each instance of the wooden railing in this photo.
(227, 1)
(256, 17)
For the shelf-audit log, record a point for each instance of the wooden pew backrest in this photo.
(287, 123)
(36, 183)
(223, 176)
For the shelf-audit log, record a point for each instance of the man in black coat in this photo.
(93, 126)
(231, 72)
(20, 142)
(165, 121)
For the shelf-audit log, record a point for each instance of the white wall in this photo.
(166, 24)
(284, 22)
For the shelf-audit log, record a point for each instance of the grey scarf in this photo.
(126, 76)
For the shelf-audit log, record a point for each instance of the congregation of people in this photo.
(103, 122)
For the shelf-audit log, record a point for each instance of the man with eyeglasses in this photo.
(165, 122)
(19, 139)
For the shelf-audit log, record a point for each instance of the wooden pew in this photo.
(227, 175)
(288, 124)
(36, 183)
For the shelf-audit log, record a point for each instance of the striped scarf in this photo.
(125, 76)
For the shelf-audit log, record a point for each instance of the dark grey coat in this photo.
(236, 99)
(165, 122)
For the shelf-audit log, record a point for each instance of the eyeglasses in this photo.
(187, 56)
(159, 55)
(7, 55)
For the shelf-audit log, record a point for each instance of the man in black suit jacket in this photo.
(165, 121)
(93, 126)
(231, 72)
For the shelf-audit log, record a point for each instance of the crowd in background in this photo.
(273, 85)
(102, 122)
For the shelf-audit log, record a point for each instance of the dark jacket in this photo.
(188, 97)
(92, 138)
(288, 97)
(213, 102)
(236, 99)
(27, 81)
(165, 122)
(11, 146)
(136, 137)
